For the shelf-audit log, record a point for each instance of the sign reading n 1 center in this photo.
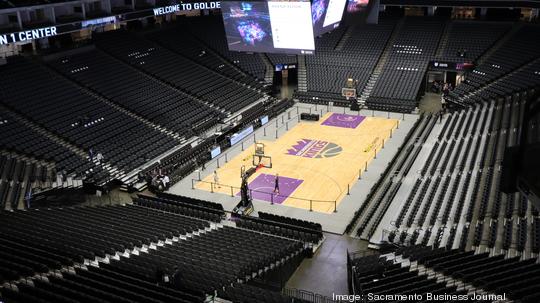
(185, 7)
(28, 35)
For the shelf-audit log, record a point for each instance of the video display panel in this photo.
(354, 6)
(326, 15)
(269, 26)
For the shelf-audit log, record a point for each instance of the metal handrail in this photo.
(272, 194)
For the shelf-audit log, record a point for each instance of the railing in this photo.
(306, 295)
(272, 196)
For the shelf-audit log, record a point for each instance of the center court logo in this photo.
(309, 148)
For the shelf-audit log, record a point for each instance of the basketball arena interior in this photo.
(271, 151)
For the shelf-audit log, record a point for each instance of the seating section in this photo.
(22, 178)
(185, 43)
(403, 73)
(522, 79)
(281, 59)
(281, 228)
(95, 284)
(183, 205)
(448, 195)
(138, 93)
(180, 72)
(22, 140)
(329, 68)
(497, 274)
(368, 217)
(210, 31)
(213, 259)
(82, 119)
(88, 232)
(524, 41)
(468, 40)
(379, 276)
(208, 257)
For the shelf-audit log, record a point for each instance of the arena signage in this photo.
(99, 21)
(185, 7)
(450, 65)
(309, 148)
(241, 135)
(215, 152)
(28, 35)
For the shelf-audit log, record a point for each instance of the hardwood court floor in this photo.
(315, 161)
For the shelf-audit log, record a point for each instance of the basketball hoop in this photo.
(348, 93)
(260, 159)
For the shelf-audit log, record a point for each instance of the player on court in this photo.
(276, 184)
(216, 179)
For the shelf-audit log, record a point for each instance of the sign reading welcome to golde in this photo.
(186, 7)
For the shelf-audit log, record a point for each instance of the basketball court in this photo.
(316, 162)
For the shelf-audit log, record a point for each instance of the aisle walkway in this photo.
(326, 272)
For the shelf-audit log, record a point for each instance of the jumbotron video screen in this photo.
(269, 26)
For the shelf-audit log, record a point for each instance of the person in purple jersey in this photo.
(276, 184)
